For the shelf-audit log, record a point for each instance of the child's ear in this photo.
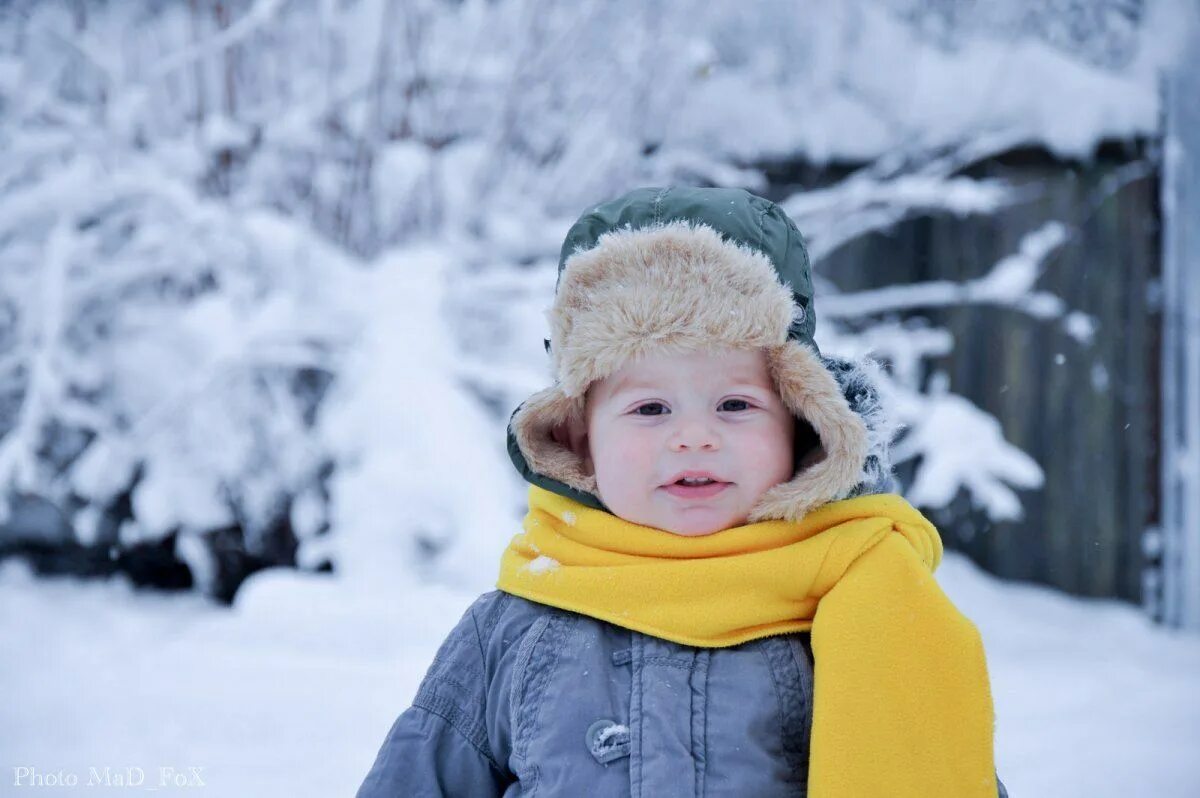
(574, 435)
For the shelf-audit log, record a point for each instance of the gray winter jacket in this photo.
(525, 699)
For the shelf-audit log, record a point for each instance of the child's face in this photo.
(664, 414)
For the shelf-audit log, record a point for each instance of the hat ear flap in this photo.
(572, 435)
(551, 430)
(561, 434)
(812, 394)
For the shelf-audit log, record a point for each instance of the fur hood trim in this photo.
(678, 286)
(683, 287)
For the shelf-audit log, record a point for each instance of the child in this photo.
(714, 593)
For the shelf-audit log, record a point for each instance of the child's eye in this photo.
(654, 408)
(744, 404)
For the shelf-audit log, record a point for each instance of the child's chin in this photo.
(698, 527)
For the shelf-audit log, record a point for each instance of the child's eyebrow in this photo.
(758, 386)
(630, 384)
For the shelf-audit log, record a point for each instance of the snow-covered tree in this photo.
(203, 207)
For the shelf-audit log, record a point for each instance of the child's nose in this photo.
(694, 435)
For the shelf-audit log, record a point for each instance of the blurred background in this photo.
(272, 275)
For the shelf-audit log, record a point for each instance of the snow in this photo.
(1080, 326)
(212, 297)
(542, 564)
(1014, 276)
(1091, 699)
(983, 468)
(170, 495)
(421, 459)
(258, 16)
(860, 82)
(609, 731)
(292, 691)
(1010, 282)
(223, 133)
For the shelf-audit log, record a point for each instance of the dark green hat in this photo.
(687, 269)
(740, 216)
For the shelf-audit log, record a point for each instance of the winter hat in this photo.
(687, 269)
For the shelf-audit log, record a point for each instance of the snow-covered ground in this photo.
(292, 691)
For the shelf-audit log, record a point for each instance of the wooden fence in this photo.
(1088, 413)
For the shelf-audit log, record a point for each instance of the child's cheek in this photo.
(631, 446)
(629, 454)
(771, 449)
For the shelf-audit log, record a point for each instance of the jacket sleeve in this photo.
(454, 739)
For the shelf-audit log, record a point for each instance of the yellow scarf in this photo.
(902, 705)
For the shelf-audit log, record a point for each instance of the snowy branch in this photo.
(1009, 283)
(259, 15)
(985, 469)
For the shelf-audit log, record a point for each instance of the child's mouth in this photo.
(700, 491)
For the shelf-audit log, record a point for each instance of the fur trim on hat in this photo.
(540, 425)
(682, 287)
(679, 286)
(811, 393)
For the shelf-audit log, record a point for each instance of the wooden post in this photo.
(1181, 342)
